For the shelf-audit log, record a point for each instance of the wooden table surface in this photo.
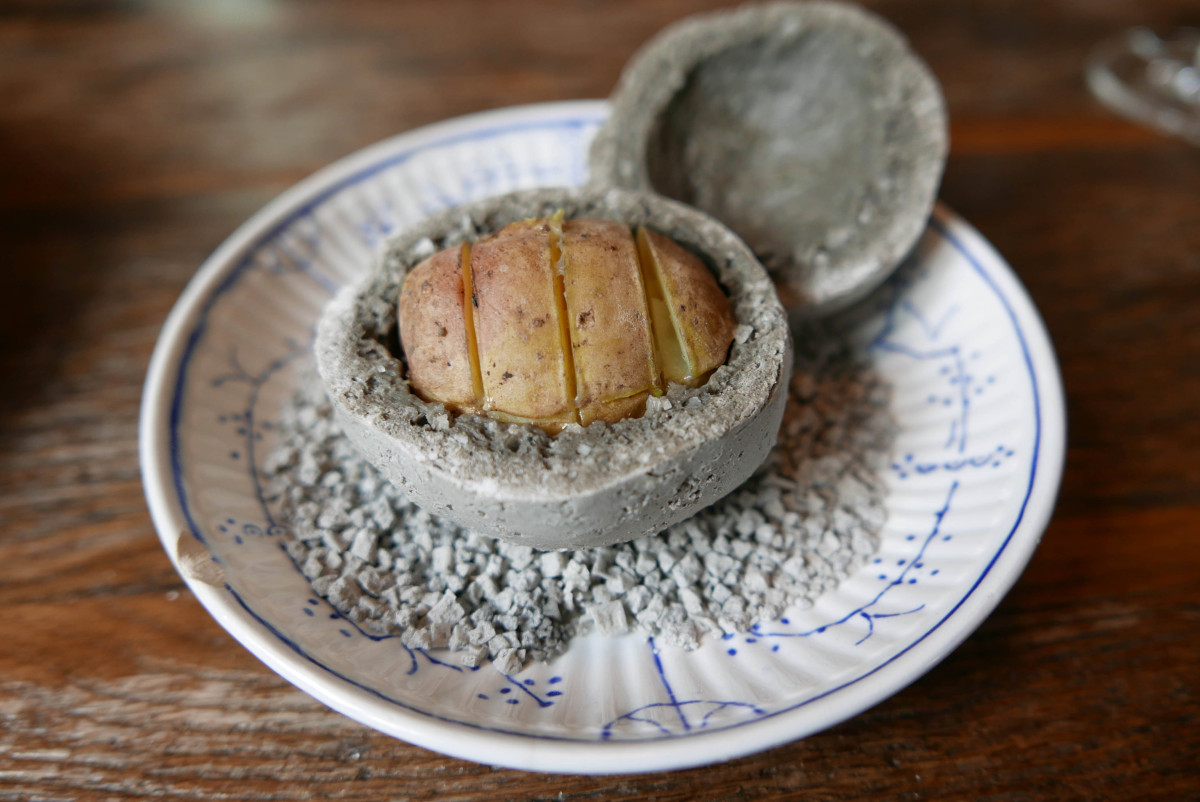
(135, 136)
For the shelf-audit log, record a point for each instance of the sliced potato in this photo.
(522, 361)
(698, 310)
(609, 322)
(550, 322)
(433, 332)
(672, 364)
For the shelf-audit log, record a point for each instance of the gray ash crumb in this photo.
(808, 517)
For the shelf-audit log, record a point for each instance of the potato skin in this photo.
(433, 331)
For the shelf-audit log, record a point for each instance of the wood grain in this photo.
(135, 136)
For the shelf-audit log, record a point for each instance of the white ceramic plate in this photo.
(977, 466)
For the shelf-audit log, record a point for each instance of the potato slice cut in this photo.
(522, 361)
(434, 334)
(697, 311)
(668, 352)
(615, 409)
(611, 343)
(468, 302)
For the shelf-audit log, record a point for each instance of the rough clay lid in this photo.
(810, 129)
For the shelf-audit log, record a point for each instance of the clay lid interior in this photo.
(811, 129)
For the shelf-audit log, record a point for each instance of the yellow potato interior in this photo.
(699, 311)
(672, 361)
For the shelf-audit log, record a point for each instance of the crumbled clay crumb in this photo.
(803, 522)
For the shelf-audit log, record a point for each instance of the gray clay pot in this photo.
(810, 129)
(584, 487)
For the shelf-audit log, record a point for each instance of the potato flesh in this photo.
(565, 322)
(672, 362)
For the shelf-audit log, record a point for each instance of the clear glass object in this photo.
(1152, 79)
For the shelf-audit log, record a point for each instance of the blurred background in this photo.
(135, 136)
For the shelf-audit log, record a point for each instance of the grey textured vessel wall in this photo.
(810, 129)
(587, 486)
